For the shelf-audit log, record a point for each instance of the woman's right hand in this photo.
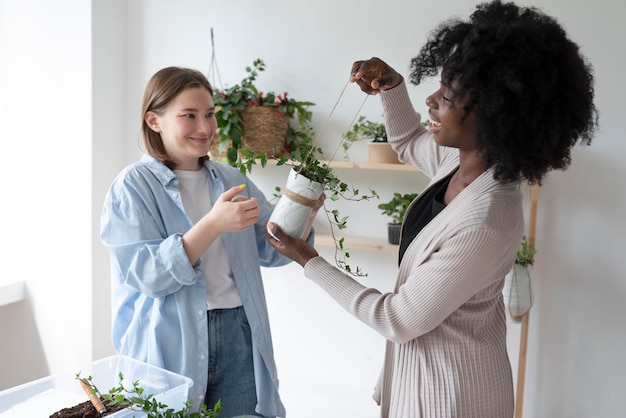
(227, 215)
(233, 212)
(374, 75)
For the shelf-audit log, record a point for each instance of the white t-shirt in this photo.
(215, 263)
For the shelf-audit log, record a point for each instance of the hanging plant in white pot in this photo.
(296, 204)
(308, 178)
(517, 291)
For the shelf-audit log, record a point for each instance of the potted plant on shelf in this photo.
(517, 290)
(379, 150)
(251, 119)
(396, 209)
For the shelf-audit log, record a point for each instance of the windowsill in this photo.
(11, 293)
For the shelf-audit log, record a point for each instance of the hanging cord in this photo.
(213, 68)
(328, 118)
(332, 157)
(339, 260)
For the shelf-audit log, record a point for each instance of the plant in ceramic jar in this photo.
(517, 290)
(249, 118)
(396, 208)
(309, 177)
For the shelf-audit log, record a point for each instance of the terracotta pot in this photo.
(517, 292)
(382, 153)
(293, 210)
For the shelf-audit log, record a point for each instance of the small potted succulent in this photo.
(517, 290)
(396, 209)
(379, 150)
(251, 119)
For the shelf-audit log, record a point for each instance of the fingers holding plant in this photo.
(235, 212)
(296, 249)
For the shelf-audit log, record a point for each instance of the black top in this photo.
(425, 209)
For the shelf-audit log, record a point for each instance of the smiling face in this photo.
(446, 111)
(186, 127)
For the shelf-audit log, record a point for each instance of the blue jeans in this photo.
(231, 372)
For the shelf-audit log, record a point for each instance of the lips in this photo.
(200, 140)
(435, 125)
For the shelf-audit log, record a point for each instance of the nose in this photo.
(208, 125)
(430, 101)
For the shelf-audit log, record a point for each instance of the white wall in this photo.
(574, 355)
(45, 216)
(109, 147)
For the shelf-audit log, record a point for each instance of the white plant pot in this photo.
(517, 292)
(292, 212)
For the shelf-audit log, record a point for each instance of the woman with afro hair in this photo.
(515, 96)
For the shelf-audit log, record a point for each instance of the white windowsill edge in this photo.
(11, 292)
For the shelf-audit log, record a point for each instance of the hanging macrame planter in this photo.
(517, 292)
(294, 208)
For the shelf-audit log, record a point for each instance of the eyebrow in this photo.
(455, 92)
(193, 109)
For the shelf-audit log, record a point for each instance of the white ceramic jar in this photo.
(292, 212)
(517, 292)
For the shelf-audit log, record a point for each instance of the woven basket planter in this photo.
(264, 130)
(214, 149)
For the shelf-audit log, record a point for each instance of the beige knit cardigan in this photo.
(444, 322)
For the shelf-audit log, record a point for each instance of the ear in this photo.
(152, 120)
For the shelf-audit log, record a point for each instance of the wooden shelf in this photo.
(367, 243)
(372, 166)
(364, 165)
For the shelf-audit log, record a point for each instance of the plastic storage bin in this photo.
(41, 398)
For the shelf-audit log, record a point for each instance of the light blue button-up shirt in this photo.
(159, 297)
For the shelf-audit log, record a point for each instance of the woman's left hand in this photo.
(296, 249)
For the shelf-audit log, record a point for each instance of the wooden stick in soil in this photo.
(91, 392)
